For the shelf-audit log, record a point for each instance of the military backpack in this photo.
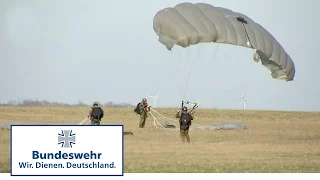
(137, 109)
(185, 120)
(96, 113)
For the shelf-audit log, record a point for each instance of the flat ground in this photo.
(274, 141)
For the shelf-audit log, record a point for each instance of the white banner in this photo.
(167, 176)
(71, 150)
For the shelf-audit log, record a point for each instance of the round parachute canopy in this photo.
(188, 24)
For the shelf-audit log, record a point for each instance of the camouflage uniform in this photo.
(144, 109)
(184, 128)
(93, 120)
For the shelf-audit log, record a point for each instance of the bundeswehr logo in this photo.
(66, 138)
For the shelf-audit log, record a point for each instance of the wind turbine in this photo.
(154, 99)
(243, 100)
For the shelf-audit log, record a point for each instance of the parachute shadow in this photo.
(223, 126)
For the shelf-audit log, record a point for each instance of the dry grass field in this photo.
(274, 141)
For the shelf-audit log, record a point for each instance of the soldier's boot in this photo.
(186, 133)
(141, 124)
(142, 120)
(144, 123)
(95, 122)
(182, 136)
(188, 138)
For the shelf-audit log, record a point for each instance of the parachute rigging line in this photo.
(214, 52)
(184, 95)
(243, 21)
(234, 52)
(174, 72)
(185, 89)
(239, 56)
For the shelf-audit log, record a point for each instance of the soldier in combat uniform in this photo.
(185, 123)
(96, 114)
(144, 108)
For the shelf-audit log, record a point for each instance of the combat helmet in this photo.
(185, 109)
(144, 100)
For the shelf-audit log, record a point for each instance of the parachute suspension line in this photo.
(214, 52)
(177, 86)
(234, 52)
(174, 72)
(184, 95)
(214, 55)
(185, 88)
(239, 56)
(168, 119)
(230, 53)
(155, 120)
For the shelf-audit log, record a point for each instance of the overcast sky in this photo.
(102, 50)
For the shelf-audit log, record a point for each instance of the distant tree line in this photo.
(61, 104)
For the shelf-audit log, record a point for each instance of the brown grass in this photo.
(274, 141)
